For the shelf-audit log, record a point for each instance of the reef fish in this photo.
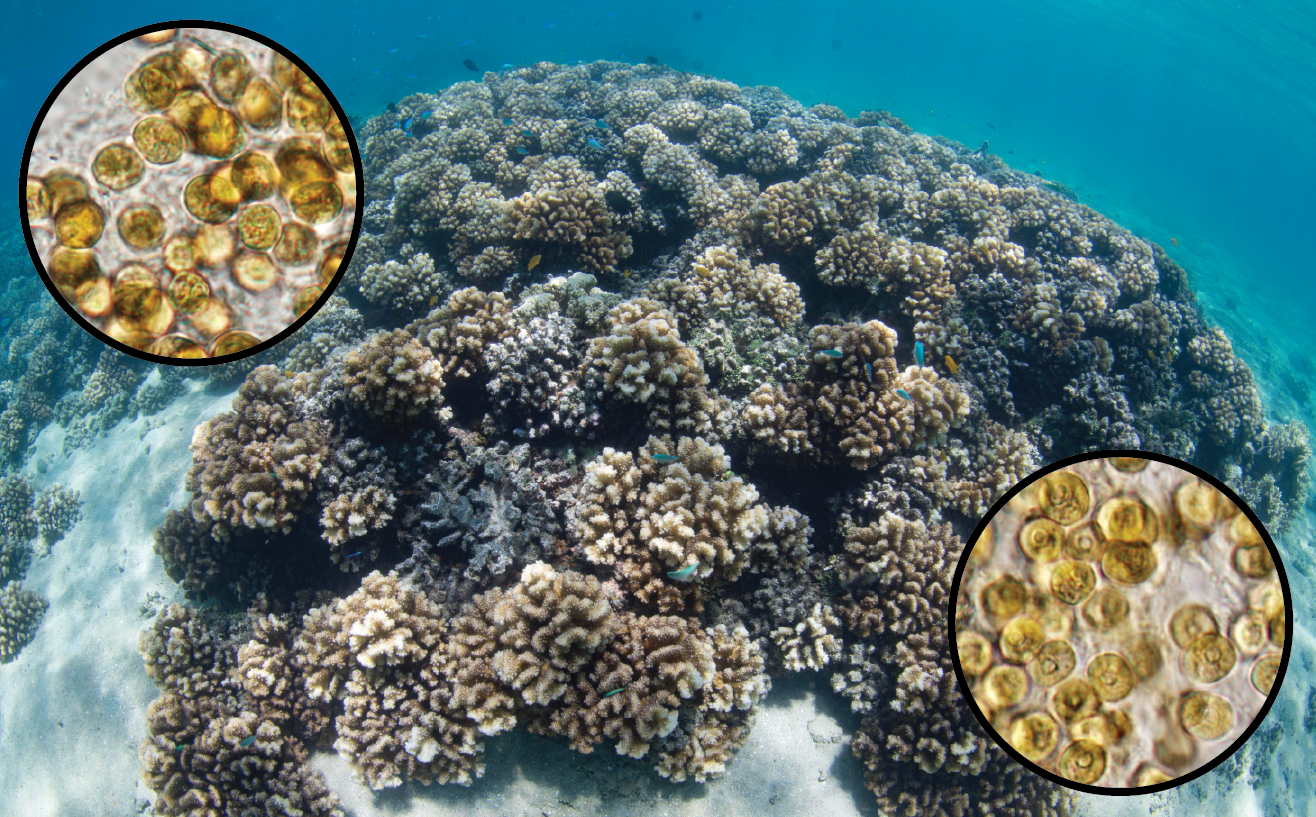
(507, 121)
(405, 125)
(918, 353)
(354, 555)
(594, 143)
(521, 150)
(614, 692)
(534, 262)
(470, 64)
(528, 133)
(952, 365)
(832, 353)
(664, 458)
(868, 369)
(618, 202)
(651, 60)
(685, 574)
(247, 741)
(904, 394)
(1174, 241)
(600, 124)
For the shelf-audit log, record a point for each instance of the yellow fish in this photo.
(952, 365)
(626, 274)
(434, 300)
(534, 262)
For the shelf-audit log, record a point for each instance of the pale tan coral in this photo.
(721, 282)
(871, 258)
(709, 745)
(739, 680)
(777, 417)
(642, 356)
(459, 331)
(490, 265)
(350, 515)
(21, 612)
(393, 378)
(942, 404)
(254, 466)
(811, 643)
(678, 117)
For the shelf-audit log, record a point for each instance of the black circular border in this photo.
(41, 267)
(1224, 753)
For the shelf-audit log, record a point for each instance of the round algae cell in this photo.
(216, 132)
(1128, 519)
(153, 86)
(188, 292)
(259, 226)
(1250, 632)
(1129, 465)
(38, 200)
(1063, 496)
(1253, 561)
(1111, 676)
(255, 271)
(1189, 622)
(159, 140)
(1020, 639)
(117, 166)
(1074, 700)
(1082, 761)
(139, 304)
(337, 149)
(1205, 716)
(213, 246)
(177, 346)
(1264, 672)
(1004, 686)
(79, 225)
(1129, 562)
(1106, 609)
(260, 106)
(141, 226)
(974, 653)
(1243, 532)
(317, 202)
(297, 246)
(75, 273)
(1198, 506)
(212, 319)
(300, 163)
(211, 198)
(333, 259)
(1084, 543)
(1054, 661)
(255, 176)
(308, 110)
(1034, 735)
(232, 342)
(1144, 657)
(179, 254)
(1072, 582)
(1209, 658)
(306, 298)
(229, 75)
(1277, 628)
(1149, 775)
(1041, 540)
(65, 188)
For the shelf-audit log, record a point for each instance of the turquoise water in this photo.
(1189, 121)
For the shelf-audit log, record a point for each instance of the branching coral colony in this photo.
(643, 424)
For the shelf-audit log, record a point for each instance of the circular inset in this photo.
(209, 158)
(1147, 609)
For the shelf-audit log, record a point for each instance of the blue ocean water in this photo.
(1183, 121)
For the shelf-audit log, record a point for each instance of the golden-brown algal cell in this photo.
(192, 194)
(1123, 626)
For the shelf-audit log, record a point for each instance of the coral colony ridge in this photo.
(616, 415)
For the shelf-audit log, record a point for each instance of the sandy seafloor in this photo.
(72, 705)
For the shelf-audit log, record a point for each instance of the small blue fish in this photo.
(521, 150)
(664, 458)
(918, 353)
(594, 143)
(179, 747)
(600, 124)
(354, 555)
(507, 121)
(528, 133)
(868, 367)
(247, 741)
(614, 692)
(683, 575)
(405, 124)
(426, 114)
(904, 394)
(833, 353)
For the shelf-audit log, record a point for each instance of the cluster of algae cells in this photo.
(232, 196)
(1120, 622)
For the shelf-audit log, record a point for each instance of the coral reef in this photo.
(739, 302)
(20, 615)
